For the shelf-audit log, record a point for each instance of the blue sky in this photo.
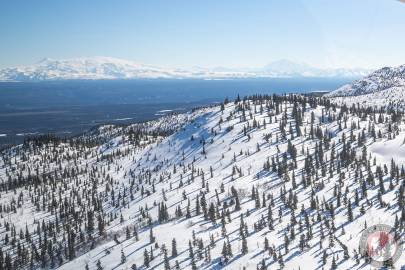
(237, 33)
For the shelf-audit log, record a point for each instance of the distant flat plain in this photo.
(68, 108)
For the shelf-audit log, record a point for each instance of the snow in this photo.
(220, 135)
(164, 111)
(387, 150)
(389, 98)
(107, 68)
(123, 119)
(379, 80)
(27, 134)
(384, 88)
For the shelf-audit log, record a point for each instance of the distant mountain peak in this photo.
(44, 60)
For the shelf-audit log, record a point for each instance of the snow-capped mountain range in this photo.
(384, 87)
(113, 68)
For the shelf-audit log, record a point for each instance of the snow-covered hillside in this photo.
(261, 183)
(383, 87)
(112, 68)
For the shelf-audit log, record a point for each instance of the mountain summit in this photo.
(93, 68)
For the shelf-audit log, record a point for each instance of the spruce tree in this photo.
(98, 265)
(146, 259)
(244, 245)
(123, 257)
(151, 237)
(174, 248)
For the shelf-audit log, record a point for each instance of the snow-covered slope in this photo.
(382, 88)
(264, 183)
(112, 68)
(380, 80)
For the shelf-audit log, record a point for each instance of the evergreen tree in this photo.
(166, 261)
(349, 211)
(146, 259)
(98, 265)
(123, 257)
(244, 245)
(224, 252)
(174, 248)
(128, 233)
(151, 237)
(334, 266)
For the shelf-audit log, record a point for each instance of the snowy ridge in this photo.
(93, 68)
(393, 98)
(380, 80)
